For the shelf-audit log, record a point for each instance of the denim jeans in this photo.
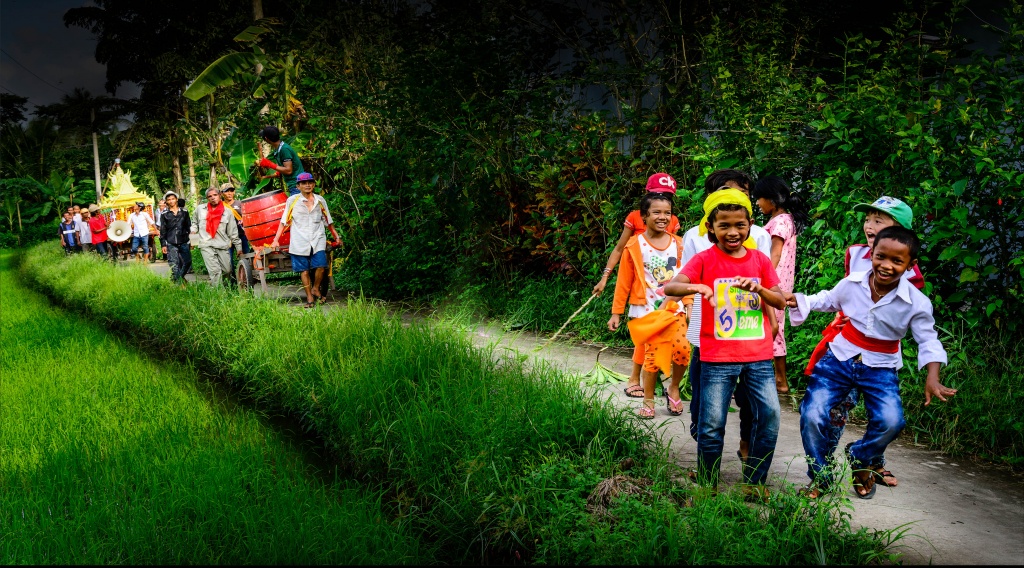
(741, 401)
(839, 415)
(180, 259)
(718, 382)
(144, 241)
(829, 385)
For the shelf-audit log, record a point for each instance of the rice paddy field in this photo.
(437, 452)
(108, 457)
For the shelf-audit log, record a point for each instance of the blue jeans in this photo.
(830, 383)
(718, 381)
(741, 400)
(144, 241)
(838, 416)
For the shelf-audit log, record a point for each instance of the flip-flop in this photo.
(310, 305)
(869, 481)
(883, 475)
(633, 392)
(645, 413)
(671, 404)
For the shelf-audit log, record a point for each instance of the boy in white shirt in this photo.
(882, 307)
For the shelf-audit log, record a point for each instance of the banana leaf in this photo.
(222, 73)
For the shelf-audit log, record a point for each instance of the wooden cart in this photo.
(254, 267)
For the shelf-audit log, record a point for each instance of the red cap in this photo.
(661, 183)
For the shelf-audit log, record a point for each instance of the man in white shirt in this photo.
(140, 222)
(882, 307)
(307, 215)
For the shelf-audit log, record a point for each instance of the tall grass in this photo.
(983, 421)
(107, 457)
(488, 461)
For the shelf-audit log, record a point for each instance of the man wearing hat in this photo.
(216, 232)
(285, 161)
(308, 216)
(140, 222)
(98, 224)
(175, 226)
(227, 196)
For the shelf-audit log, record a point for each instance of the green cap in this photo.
(891, 206)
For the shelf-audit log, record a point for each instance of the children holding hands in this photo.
(882, 306)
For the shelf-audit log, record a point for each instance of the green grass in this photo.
(486, 460)
(983, 421)
(107, 457)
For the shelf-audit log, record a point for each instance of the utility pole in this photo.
(96, 155)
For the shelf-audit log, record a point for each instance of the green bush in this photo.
(486, 459)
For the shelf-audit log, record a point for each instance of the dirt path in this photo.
(958, 512)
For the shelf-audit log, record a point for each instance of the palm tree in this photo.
(80, 114)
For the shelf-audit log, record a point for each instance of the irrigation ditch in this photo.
(487, 460)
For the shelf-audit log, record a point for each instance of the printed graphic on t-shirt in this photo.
(738, 313)
(659, 268)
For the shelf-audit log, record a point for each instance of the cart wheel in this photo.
(243, 273)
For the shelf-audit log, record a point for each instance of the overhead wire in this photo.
(18, 63)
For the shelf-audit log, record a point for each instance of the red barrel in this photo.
(261, 214)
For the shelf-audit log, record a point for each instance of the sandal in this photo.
(310, 305)
(646, 412)
(865, 483)
(634, 391)
(672, 402)
(884, 476)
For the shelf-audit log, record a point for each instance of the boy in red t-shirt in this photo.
(736, 283)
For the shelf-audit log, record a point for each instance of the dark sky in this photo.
(32, 34)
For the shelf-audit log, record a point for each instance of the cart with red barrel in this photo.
(261, 215)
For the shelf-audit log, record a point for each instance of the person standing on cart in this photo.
(285, 163)
(175, 226)
(307, 215)
(217, 232)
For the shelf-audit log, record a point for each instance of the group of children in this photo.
(715, 299)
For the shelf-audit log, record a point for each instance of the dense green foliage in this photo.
(487, 460)
(109, 457)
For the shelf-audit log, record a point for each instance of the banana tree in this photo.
(264, 75)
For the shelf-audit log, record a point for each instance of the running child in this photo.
(787, 219)
(882, 306)
(883, 212)
(635, 225)
(736, 282)
(649, 261)
(694, 241)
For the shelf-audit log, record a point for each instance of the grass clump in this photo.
(107, 457)
(487, 460)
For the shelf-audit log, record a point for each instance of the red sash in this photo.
(854, 336)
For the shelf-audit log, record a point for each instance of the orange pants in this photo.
(644, 355)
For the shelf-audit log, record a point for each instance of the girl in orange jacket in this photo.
(649, 261)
